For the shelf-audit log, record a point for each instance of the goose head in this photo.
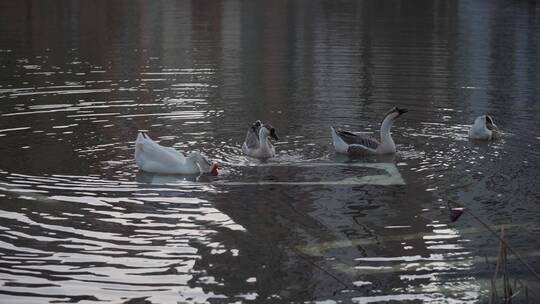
(256, 126)
(394, 113)
(490, 123)
(205, 165)
(268, 131)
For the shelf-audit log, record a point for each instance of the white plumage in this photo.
(484, 128)
(155, 158)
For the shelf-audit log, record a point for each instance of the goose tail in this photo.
(339, 145)
(139, 143)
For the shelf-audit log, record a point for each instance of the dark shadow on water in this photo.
(344, 158)
(156, 179)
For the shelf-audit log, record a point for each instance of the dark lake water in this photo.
(79, 223)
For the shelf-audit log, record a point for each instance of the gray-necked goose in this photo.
(361, 144)
(257, 143)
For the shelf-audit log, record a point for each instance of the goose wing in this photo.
(358, 139)
(147, 150)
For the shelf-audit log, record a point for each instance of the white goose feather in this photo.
(484, 128)
(155, 158)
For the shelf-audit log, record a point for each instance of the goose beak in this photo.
(214, 170)
(402, 111)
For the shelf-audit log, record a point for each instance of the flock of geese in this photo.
(155, 158)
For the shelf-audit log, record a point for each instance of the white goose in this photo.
(154, 158)
(257, 143)
(484, 128)
(361, 144)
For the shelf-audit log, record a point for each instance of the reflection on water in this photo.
(79, 79)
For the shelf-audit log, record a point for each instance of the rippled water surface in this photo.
(79, 223)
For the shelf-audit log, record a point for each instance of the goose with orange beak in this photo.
(257, 143)
(155, 158)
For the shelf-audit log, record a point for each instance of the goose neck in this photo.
(385, 129)
(263, 136)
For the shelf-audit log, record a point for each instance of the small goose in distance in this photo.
(155, 158)
(257, 143)
(361, 144)
(484, 128)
